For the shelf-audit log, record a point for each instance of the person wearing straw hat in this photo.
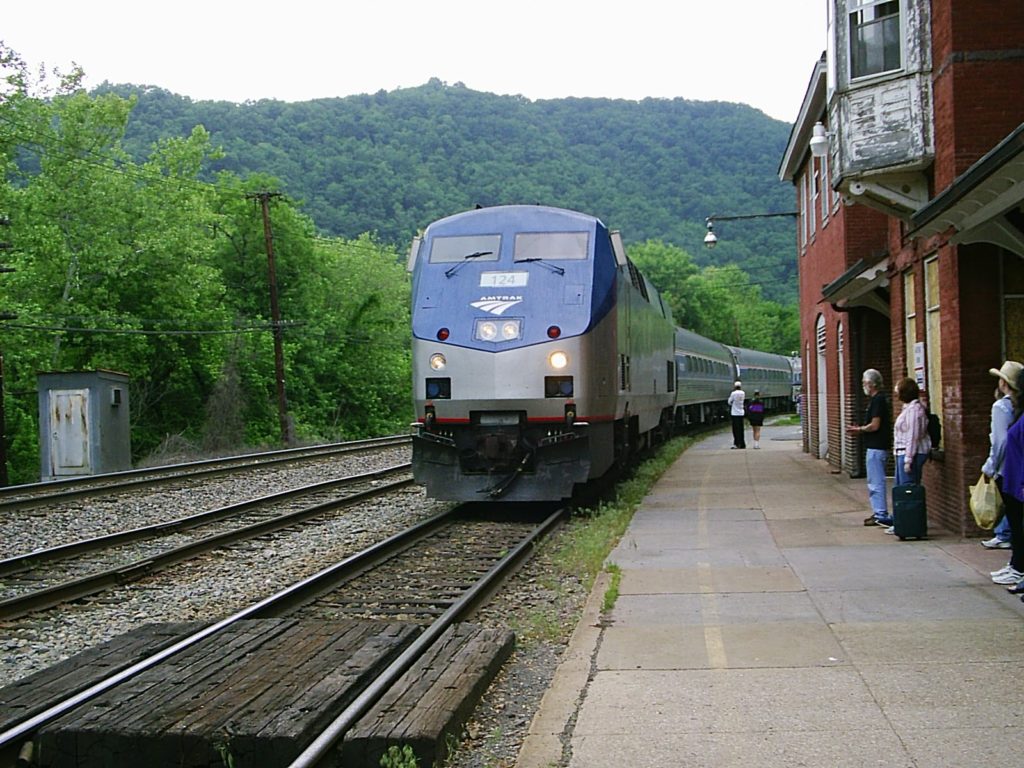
(1001, 419)
(1002, 461)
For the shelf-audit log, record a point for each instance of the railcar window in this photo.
(551, 246)
(445, 250)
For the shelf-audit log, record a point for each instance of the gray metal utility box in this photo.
(84, 426)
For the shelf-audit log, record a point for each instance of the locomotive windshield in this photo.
(444, 250)
(551, 246)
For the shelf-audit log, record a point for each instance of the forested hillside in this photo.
(392, 162)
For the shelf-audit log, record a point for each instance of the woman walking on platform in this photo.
(755, 415)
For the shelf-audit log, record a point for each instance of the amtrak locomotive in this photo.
(541, 356)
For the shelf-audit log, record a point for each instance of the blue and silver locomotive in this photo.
(540, 354)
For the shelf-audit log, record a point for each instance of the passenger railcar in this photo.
(540, 354)
(705, 372)
(770, 374)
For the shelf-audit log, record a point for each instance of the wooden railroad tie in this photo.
(257, 694)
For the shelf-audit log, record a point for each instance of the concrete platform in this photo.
(759, 623)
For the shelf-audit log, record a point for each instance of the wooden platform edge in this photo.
(433, 700)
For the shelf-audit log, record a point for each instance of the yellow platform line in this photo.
(713, 642)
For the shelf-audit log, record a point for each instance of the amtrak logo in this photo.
(496, 305)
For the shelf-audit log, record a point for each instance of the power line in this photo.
(137, 331)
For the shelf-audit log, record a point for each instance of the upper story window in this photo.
(875, 39)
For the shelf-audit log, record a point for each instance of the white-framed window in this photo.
(876, 39)
(815, 189)
(804, 213)
(826, 191)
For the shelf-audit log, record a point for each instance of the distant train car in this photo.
(705, 372)
(769, 374)
(541, 356)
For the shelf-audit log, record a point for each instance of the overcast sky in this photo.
(746, 51)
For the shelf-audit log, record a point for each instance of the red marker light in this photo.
(443, 333)
(554, 332)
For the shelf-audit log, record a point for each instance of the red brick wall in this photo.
(978, 80)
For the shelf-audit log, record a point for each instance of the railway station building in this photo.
(907, 160)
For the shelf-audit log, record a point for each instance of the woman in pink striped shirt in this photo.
(910, 442)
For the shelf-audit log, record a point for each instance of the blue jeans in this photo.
(1002, 529)
(914, 476)
(876, 458)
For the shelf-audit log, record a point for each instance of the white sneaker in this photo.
(1005, 569)
(995, 543)
(756, 445)
(1011, 576)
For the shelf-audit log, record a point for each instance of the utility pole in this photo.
(4, 247)
(275, 318)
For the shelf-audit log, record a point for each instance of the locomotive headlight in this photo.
(437, 361)
(558, 360)
(510, 330)
(487, 330)
(497, 330)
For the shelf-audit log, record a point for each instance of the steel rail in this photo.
(325, 741)
(27, 560)
(97, 582)
(39, 494)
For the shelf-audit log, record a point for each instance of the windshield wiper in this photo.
(452, 270)
(553, 267)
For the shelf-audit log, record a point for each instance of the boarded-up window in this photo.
(1013, 307)
(933, 334)
(909, 319)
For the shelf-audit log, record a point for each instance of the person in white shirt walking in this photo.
(736, 410)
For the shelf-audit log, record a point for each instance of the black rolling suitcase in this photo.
(909, 517)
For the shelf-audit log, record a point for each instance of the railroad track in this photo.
(45, 578)
(40, 494)
(477, 554)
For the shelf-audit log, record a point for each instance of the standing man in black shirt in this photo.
(875, 429)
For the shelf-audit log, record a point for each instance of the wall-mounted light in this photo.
(819, 140)
(711, 239)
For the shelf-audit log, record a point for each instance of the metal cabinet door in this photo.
(69, 432)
